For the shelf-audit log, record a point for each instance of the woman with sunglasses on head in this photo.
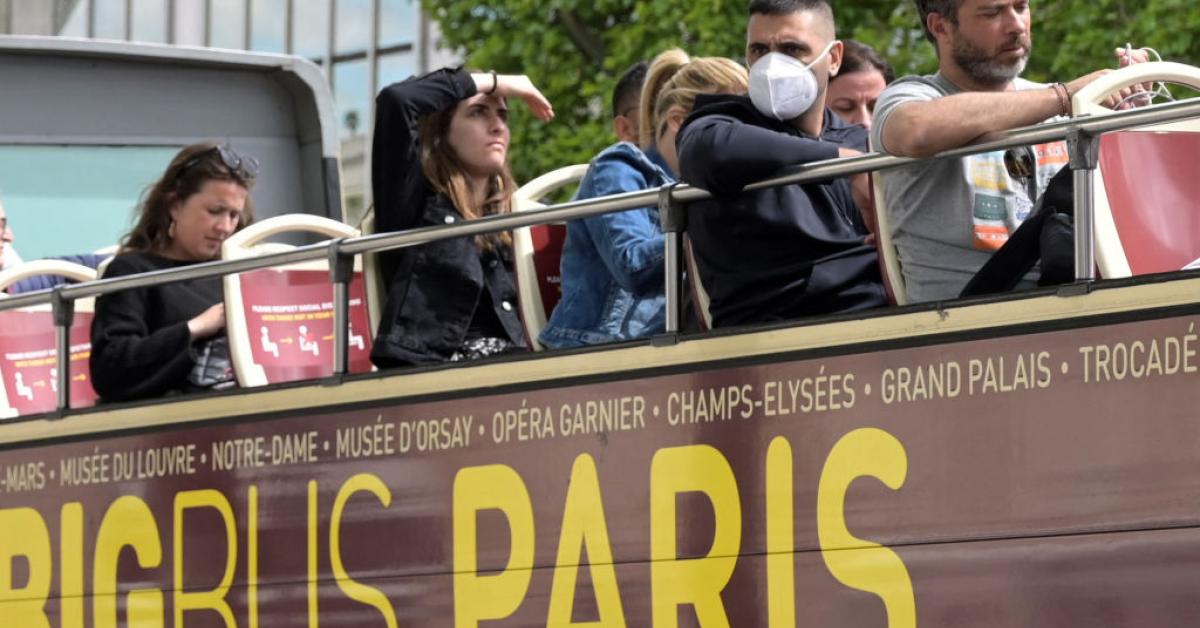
(149, 342)
(440, 155)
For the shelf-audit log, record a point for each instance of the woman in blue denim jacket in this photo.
(612, 265)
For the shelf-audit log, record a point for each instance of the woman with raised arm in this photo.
(149, 342)
(440, 155)
(612, 265)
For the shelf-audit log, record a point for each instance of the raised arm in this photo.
(396, 179)
(723, 155)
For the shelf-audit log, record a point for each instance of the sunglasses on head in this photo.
(242, 166)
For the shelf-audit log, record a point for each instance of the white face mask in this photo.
(783, 87)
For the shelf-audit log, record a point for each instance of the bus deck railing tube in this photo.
(63, 309)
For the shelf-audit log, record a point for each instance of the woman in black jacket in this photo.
(439, 156)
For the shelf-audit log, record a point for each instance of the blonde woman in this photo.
(612, 265)
(441, 156)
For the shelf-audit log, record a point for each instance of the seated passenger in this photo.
(440, 156)
(856, 87)
(10, 259)
(948, 216)
(8, 255)
(782, 252)
(149, 342)
(612, 265)
(626, 98)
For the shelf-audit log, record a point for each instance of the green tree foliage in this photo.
(575, 51)
(1074, 37)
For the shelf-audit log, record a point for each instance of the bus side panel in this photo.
(1057, 434)
(1128, 579)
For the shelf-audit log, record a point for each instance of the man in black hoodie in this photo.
(791, 251)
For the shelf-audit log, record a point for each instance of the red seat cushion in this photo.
(1154, 192)
(548, 243)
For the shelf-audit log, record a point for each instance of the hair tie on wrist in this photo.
(1064, 99)
(495, 83)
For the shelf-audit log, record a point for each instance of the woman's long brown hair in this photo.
(445, 172)
(188, 171)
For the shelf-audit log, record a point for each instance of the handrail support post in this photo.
(1084, 150)
(63, 310)
(341, 271)
(673, 216)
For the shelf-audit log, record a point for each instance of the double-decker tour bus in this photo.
(1025, 459)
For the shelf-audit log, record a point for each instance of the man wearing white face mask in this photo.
(790, 251)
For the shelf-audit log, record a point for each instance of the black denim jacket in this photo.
(433, 289)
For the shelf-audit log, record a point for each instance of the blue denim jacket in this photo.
(612, 265)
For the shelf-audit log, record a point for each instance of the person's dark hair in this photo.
(788, 7)
(188, 171)
(628, 91)
(859, 57)
(948, 9)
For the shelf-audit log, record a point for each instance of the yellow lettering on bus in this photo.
(70, 545)
(476, 598)
(252, 556)
(214, 599)
(23, 532)
(355, 590)
(583, 524)
(695, 581)
(313, 615)
(781, 536)
(128, 522)
(857, 563)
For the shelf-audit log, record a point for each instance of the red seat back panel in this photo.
(28, 361)
(289, 317)
(548, 241)
(1153, 188)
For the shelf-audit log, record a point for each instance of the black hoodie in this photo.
(779, 253)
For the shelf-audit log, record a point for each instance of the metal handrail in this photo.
(1080, 132)
(815, 171)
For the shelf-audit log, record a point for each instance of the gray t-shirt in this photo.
(948, 216)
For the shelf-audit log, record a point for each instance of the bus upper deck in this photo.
(1027, 458)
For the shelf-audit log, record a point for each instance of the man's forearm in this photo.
(924, 129)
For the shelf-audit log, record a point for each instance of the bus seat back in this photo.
(889, 258)
(28, 341)
(537, 252)
(1146, 191)
(700, 300)
(280, 320)
(376, 289)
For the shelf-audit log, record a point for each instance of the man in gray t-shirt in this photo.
(948, 216)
